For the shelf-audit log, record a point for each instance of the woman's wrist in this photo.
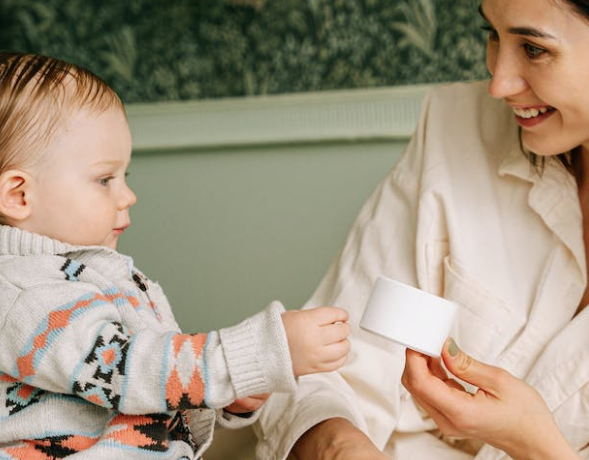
(561, 451)
(548, 446)
(328, 440)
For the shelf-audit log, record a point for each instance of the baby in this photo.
(92, 363)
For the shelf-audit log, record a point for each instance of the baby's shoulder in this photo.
(26, 272)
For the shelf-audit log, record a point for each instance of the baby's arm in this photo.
(317, 342)
(69, 338)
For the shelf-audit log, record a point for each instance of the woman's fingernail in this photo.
(452, 347)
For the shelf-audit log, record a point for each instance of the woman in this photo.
(488, 208)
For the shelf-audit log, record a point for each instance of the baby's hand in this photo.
(317, 339)
(248, 404)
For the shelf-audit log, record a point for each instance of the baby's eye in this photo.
(532, 51)
(105, 181)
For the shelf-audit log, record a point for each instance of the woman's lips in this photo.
(532, 116)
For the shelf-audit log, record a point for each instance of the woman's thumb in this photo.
(469, 369)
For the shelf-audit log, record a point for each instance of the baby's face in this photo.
(79, 194)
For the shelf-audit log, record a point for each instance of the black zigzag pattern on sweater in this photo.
(72, 269)
(104, 365)
(19, 396)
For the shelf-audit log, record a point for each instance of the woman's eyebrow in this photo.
(531, 32)
(525, 31)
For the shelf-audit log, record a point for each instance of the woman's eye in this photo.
(533, 51)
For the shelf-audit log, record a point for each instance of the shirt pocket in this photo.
(485, 325)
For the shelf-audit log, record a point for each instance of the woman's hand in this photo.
(246, 405)
(505, 412)
(336, 439)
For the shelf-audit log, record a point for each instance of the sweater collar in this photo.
(17, 242)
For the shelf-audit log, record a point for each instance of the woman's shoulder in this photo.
(460, 92)
(465, 94)
(466, 113)
(461, 128)
(464, 98)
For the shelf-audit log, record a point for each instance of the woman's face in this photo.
(538, 56)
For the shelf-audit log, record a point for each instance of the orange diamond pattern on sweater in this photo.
(55, 323)
(147, 432)
(185, 385)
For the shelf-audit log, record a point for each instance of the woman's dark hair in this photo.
(581, 6)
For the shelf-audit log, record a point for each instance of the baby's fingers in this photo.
(329, 315)
(335, 351)
(333, 333)
(332, 358)
(334, 365)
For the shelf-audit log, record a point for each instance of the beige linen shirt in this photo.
(462, 215)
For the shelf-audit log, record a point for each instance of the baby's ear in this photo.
(14, 187)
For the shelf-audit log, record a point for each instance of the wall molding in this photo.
(388, 113)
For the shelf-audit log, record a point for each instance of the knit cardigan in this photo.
(94, 366)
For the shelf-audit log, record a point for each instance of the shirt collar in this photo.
(553, 195)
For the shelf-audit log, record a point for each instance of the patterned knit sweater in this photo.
(93, 365)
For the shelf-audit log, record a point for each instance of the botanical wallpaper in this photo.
(153, 50)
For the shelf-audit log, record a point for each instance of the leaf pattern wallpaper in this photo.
(153, 50)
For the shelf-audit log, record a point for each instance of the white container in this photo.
(409, 316)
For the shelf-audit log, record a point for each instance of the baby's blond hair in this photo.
(37, 95)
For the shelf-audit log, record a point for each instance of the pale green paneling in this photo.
(227, 231)
(242, 201)
(326, 116)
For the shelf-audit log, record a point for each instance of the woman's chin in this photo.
(543, 148)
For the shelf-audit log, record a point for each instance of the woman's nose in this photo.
(506, 77)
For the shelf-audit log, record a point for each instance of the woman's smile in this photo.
(532, 116)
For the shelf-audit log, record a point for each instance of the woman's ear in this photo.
(14, 188)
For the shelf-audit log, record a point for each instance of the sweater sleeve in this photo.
(79, 344)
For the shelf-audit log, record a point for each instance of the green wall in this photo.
(232, 215)
(153, 50)
(227, 231)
